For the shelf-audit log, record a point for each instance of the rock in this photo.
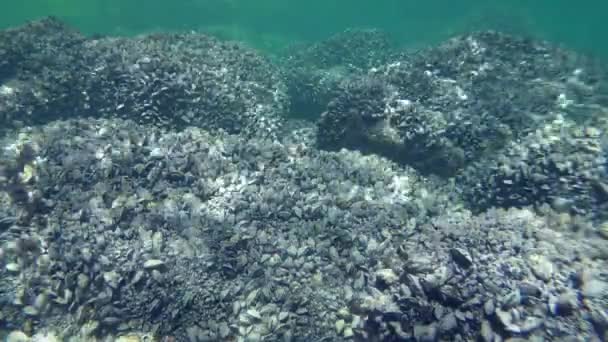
(488, 307)
(374, 244)
(564, 305)
(594, 288)
(41, 301)
(13, 267)
(129, 338)
(17, 336)
(254, 315)
(292, 251)
(387, 276)
(46, 337)
(211, 86)
(157, 242)
(425, 333)
(521, 175)
(486, 331)
(340, 325)
(511, 300)
(82, 281)
(344, 313)
(507, 319)
(314, 72)
(154, 264)
(603, 230)
(448, 323)
(31, 311)
(348, 332)
(112, 278)
(89, 328)
(224, 330)
(461, 257)
(87, 255)
(599, 318)
(527, 289)
(541, 267)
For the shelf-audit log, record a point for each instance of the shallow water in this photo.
(270, 24)
(412, 178)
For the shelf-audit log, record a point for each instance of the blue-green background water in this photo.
(271, 24)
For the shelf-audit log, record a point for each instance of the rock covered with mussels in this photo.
(443, 107)
(203, 238)
(314, 73)
(561, 164)
(163, 227)
(50, 71)
(111, 227)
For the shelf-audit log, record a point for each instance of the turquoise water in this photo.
(160, 187)
(270, 24)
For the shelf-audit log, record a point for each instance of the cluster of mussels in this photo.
(148, 207)
(50, 71)
(561, 164)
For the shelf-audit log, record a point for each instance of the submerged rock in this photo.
(201, 235)
(50, 71)
(314, 73)
(444, 107)
(559, 161)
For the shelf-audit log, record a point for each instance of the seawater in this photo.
(271, 24)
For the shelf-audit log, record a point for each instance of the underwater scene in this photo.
(225, 170)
